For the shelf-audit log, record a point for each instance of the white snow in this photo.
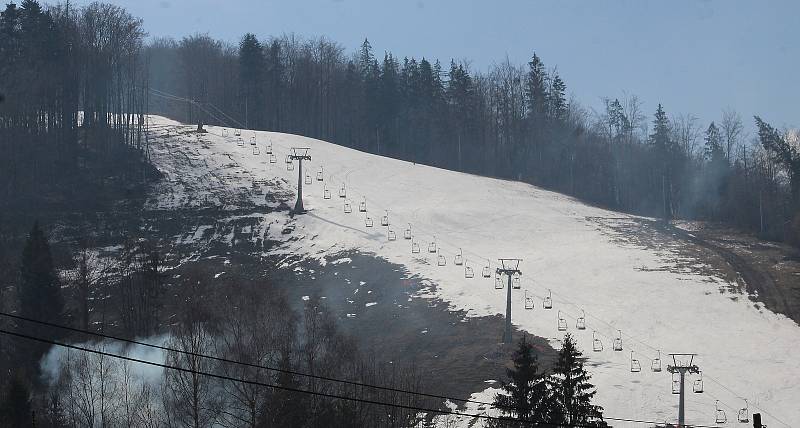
(567, 247)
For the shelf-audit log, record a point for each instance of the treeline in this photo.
(511, 122)
(74, 94)
(233, 318)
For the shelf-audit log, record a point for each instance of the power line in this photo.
(303, 391)
(292, 372)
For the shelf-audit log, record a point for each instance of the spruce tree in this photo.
(662, 147)
(525, 395)
(39, 290)
(571, 391)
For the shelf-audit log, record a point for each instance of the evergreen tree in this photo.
(663, 151)
(556, 100)
(571, 391)
(713, 149)
(525, 395)
(39, 290)
(251, 78)
(15, 407)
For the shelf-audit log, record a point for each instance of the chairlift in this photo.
(580, 323)
(597, 345)
(385, 219)
(414, 248)
(362, 206)
(326, 194)
(720, 414)
(273, 158)
(391, 235)
(468, 272)
(432, 246)
(676, 383)
(237, 132)
(744, 413)
(697, 387)
(458, 260)
(368, 222)
(528, 301)
(407, 232)
(342, 192)
(487, 270)
(656, 364)
(618, 341)
(269, 148)
(548, 301)
(319, 174)
(498, 281)
(224, 132)
(562, 323)
(347, 208)
(289, 163)
(253, 140)
(256, 151)
(516, 281)
(440, 260)
(240, 142)
(308, 179)
(635, 366)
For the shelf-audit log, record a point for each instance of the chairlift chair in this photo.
(458, 260)
(319, 174)
(498, 281)
(744, 413)
(487, 270)
(414, 248)
(224, 132)
(342, 192)
(273, 158)
(618, 341)
(528, 301)
(237, 132)
(440, 260)
(362, 206)
(348, 208)
(326, 194)
(308, 179)
(391, 235)
(720, 416)
(432, 246)
(676, 383)
(580, 323)
(562, 323)
(656, 364)
(597, 345)
(697, 387)
(468, 273)
(516, 282)
(289, 163)
(240, 142)
(256, 151)
(385, 219)
(368, 221)
(635, 366)
(253, 140)
(548, 301)
(407, 232)
(269, 149)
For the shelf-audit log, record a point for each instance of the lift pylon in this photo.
(508, 267)
(300, 154)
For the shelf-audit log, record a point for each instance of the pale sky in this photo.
(694, 57)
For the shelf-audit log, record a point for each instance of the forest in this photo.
(76, 84)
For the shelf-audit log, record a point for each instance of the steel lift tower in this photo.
(682, 364)
(300, 154)
(509, 267)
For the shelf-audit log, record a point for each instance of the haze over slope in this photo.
(659, 299)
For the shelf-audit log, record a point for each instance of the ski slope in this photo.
(744, 350)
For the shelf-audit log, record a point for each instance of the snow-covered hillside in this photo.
(657, 298)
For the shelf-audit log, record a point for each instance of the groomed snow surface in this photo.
(744, 350)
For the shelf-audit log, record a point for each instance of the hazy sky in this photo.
(692, 56)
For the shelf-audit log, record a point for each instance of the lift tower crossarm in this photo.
(682, 364)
